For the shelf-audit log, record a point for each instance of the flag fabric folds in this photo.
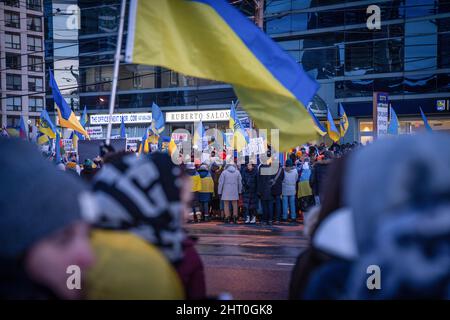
(46, 125)
(22, 129)
(144, 147)
(58, 148)
(425, 121)
(157, 120)
(317, 125)
(210, 39)
(122, 129)
(172, 147)
(333, 132)
(42, 138)
(74, 136)
(343, 120)
(66, 116)
(393, 124)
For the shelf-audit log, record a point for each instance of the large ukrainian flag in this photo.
(210, 39)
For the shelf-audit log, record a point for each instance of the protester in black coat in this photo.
(318, 176)
(250, 195)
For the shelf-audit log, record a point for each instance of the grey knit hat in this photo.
(35, 198)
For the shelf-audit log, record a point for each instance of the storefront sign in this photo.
(193, 116)
(380, 113)
(95, 132)
(96, 119)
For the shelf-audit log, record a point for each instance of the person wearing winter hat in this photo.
(41, 228)
(145, 196)
(289, 187)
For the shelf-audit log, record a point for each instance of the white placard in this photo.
(95, 132)
(96, 119)
(193, 116)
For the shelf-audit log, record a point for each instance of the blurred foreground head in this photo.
(401, 207)
(41, 231)
(142, 195)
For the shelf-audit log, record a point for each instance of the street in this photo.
(248, 261)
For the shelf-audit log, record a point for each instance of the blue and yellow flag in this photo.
(240, 136)
(66, 116)
(333, 132)
(393, 124)
(425, 121)
(199, 132)
(157, 120)
(46, 125)
(343, 121)
(42, 138)
(211, 39)
(23, 132)
(317, 125)
(144, 147)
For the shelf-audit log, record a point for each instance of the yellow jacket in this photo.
(127, 267)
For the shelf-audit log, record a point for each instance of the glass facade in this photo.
(302, 28)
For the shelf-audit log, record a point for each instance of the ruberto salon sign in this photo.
(98, 119)
(194, 116)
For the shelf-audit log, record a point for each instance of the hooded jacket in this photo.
(230, 183)
(318, 176)
(206, 185)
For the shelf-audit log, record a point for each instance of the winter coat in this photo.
(192, 272)
(215, 175)
(318, 176)
(289, 182)
(206, 186)
(264, 188)
(277, 188)
(230, 184)
(249, 188)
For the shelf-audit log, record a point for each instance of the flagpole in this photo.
(112, 100)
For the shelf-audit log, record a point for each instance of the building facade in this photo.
(182, 99)
(22, 62)
(408, 57)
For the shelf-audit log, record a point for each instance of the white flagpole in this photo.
(112, 100)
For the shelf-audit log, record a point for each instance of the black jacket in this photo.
(318, 176)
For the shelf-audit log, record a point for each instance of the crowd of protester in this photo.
(120, 218)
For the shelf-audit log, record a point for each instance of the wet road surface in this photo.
(248, 261)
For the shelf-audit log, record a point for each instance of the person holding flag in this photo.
(144, 147)
(66, 116)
